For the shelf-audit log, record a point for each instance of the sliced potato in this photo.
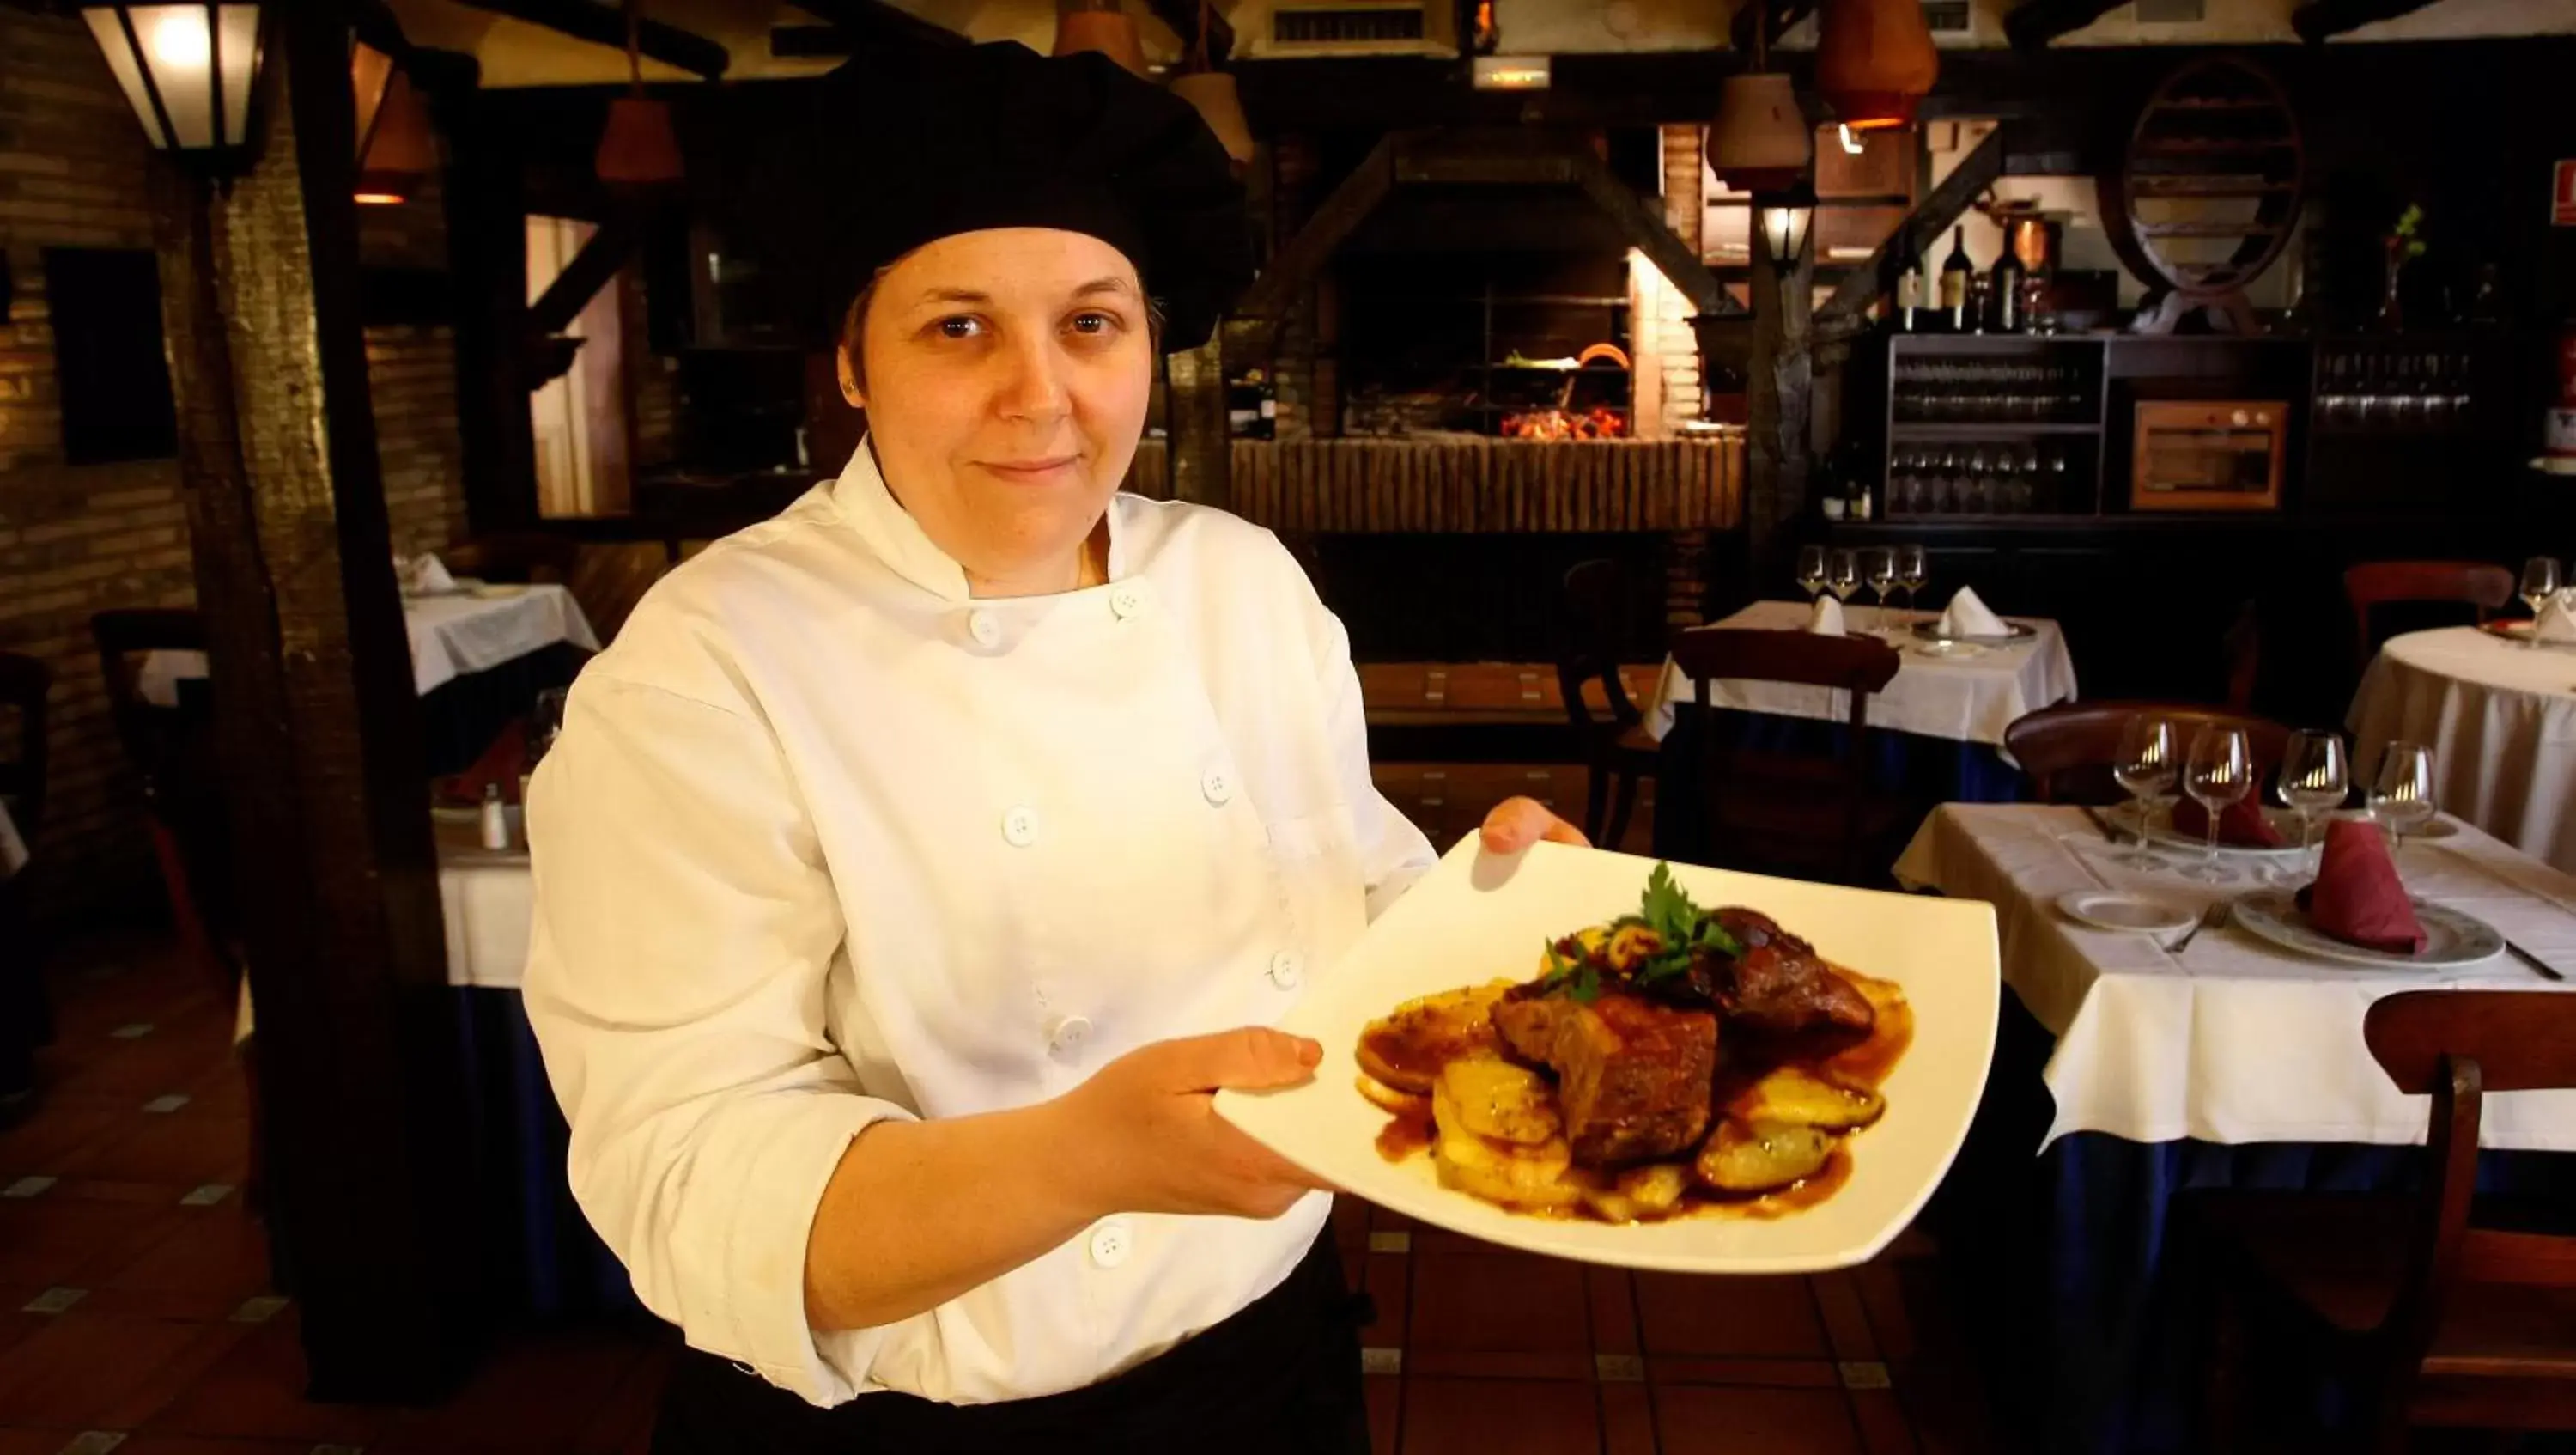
(1759, 1156)
(1639, 1194)
(1517, 1176)
(1387, 1098)
(1796, 1095)
(1494, 1098)
(1406, 1048)
(1630, 944)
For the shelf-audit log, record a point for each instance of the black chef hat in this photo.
(904, 149)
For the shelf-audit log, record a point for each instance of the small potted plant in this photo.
(2404, 244)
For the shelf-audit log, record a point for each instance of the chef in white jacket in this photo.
(916, 864)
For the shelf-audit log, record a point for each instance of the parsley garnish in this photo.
(1680, 928)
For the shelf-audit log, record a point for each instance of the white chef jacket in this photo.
(826, 841)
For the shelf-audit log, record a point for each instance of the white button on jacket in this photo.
(808, 856)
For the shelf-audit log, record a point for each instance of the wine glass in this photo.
(2145, 770)
(2401, 795)
(1913, 573)
(1842, 575)
(2218, 775)
(2315, 777)
(1811, 570)
(1973, 485)
(2540, 581)
(1879, 567)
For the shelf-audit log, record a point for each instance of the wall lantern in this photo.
(1786, 217)
(188, 72)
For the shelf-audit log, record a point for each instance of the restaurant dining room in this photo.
(1811, 727)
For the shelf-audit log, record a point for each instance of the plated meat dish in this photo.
(1672, 1060)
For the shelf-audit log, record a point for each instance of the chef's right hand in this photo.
(1144, 1135)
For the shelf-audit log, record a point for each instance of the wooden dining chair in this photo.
(2068, 749)
(2479, 585)
(1783, 812)
(26, 1012)
(2439, 1318)
(171, 750)
(1616, 751)
(25, 685)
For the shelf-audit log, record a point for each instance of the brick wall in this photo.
(80, 539)
(1668, 380)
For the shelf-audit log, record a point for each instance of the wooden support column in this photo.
(487, 250)
(1779, 387)
(318, 738)
(1200, 438)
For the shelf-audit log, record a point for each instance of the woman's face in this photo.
(1006, 374)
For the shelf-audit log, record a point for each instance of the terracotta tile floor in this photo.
(132, 1285)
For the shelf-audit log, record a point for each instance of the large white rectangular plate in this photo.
(1479, 916)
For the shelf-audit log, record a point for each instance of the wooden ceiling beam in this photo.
(601, 25)
(2034, 23)
(2321, 19)
(1923, 227)
(879, 23)
(1781, 15)
(1183, 17)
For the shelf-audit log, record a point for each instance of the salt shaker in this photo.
(496, 818)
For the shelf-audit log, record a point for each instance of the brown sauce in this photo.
(1411, 1049)
(1402, 1136)
(1868, 1063)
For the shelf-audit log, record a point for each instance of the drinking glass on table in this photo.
(1879, 568)
(2218, 775)
(2540, 582)
(1913, 573)
(2146, 770)
(1842, 575)
(1811, 570)
(2401, 794)
(2315, 777)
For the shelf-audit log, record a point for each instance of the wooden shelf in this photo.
(1905, 429)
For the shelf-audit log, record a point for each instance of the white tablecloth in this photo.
(1964, 699)
(2232, 1041)
(488, 898)
(450, 636)
(2501, 719)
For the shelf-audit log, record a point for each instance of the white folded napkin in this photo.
(1968, 617)
(2556, 622)
(1826, 620)
(423, 575)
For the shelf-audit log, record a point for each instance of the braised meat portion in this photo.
(1632, 1074)
(1779, 986)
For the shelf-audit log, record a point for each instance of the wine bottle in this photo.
(1909, 292)
(2006, 293)
(1956, 270)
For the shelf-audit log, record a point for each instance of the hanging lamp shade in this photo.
(1220, 104)
(639, 148)
(187, 70)
(1099, 25)
(1874, 61)
(1760, 141)
(395, 152)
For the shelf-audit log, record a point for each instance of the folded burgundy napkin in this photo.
(2357, 897)
(2241, 825)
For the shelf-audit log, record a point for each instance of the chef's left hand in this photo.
(1517, 823)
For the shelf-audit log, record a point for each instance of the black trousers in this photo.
(1282, 1377)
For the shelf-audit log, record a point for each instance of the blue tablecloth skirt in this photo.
(1923, 769)
(541, 1260)
(2079, 1267)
